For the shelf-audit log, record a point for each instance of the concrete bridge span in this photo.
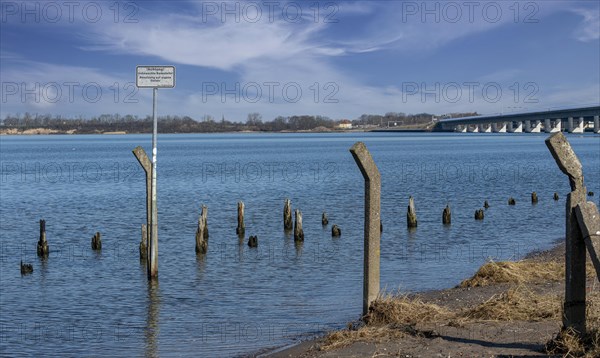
(573, 120)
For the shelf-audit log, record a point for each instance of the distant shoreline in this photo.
(46, 131)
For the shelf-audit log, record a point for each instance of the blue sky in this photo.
(336, 58)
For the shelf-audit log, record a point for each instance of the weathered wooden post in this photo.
(479, 214)
(555, 196)
(372, 233)
(287, 215)
(447, 215)
(336, 231)
(241, 228)
(253, 241)
(324, 219)
(144, 243)
(142, 158)
(298, 232)
(411, 213)
(486, 205)
(534, 198)
(512, 201)
(96, 241)
(204, 216)
(26, 269)
(42, 246)
(201, 239)
(574, 306)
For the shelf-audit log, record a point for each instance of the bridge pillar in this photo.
(518, 129)
(485, 128)
(499, 127)
(537, 128)
(597, 124)
(527, 126)
(557, 126)
(570, 125)
(473, 129)
(579, 128)
(547, 125)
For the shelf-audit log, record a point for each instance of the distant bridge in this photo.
(573, 120)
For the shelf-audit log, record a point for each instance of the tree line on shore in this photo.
(206, 124)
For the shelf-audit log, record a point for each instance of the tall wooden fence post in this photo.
(575, 257)
(372, 233)
(146, 164)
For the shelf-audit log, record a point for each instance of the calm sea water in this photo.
(237, 300)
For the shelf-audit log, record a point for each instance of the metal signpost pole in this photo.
(154, 77)
(153, 242)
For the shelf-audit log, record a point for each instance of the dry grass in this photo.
(568, 343)
(404, 310)
(516, 304)
(519, 272)
(389, 317)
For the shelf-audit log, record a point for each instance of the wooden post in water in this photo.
(479, 214)
(201, 239)
(486, 205)
(144, 243)
(324, 219)
(204, 216)
(42, 247)
(555, 196)
(372, 232)
(96, 241)
(534, 198)
(512, 201)
(241, 227)
(298, 232)
(287, 215)
(447, 215)
(142, 158)
(336, 231)
(575, 257)
(411, 214)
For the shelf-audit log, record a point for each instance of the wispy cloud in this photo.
(589, 29)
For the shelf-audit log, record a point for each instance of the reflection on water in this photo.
(152, 327)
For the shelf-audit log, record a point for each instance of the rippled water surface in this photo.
(237, 300)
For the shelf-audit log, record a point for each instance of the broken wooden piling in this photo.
(534, 198)
(42, 247)
(479, 214)
(298, 232)
(241, 227)
(287, 215)
(372, 236)
(512, 201)
(336, 231)
(204, 216)
(26, 269)
(411, 214)
(447, 215)
(324, 219)
(201, 238)
(555, 196)
(96, 241)
(253, 241)
(486, 205)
